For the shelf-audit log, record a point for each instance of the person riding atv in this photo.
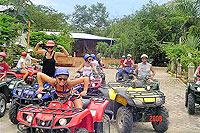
(197, 72)
(29, 59)
(144, 70)
(128, 62)
(63, 85)
(4, 68)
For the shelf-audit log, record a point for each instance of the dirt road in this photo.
(174, 90)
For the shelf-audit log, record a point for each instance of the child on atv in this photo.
(87, 66)
(197, 73)
(21, 65)
(4, 68)
(63, 85)
(144, 69)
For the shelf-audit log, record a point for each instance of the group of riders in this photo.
(59, 78)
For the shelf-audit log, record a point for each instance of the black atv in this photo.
(130, 103)
(192, 96)
(6, 89)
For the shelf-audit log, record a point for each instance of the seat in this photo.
(14, 70)
(86, 102)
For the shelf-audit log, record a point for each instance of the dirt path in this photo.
(174, 90)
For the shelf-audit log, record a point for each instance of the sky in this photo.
(116, 8)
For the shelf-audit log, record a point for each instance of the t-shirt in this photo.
(122, 63)
(19, 63)
(96, 63)
(28, 59)
(144, 70)
(3, 67)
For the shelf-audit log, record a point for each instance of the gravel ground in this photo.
(174, 90)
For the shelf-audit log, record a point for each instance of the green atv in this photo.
(6, 89)
(192, 96)
(130, 103)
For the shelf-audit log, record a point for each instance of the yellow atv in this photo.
(130, 103)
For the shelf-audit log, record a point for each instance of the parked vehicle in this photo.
(124, 74)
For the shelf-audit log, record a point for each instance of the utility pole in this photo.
(28, 38)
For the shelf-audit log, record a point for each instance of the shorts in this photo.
(19, 69)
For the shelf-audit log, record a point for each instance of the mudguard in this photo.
(97, 110)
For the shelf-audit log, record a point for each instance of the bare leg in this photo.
(78, 103)
(25, 72)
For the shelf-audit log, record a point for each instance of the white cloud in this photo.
(44, 2)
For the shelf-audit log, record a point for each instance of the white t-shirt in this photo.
(95, 62)
(19, 63)
(28, 59)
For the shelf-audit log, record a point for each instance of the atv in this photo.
(23, 96)
(6, 89)
(124, 74)
(130, 103)
(60, 116)
(192, 96)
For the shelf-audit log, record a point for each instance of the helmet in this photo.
(23, 54)
(129, 55)
(50, 43)
(144, 55)
(93, 56)
(86, 56)
(3, 54)
(61, 71)
(30, 50)
(123, 56)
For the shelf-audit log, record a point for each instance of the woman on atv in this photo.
(87, 66)
(4, 68)
(21, 65)
(63, 85)
(122, 61)
(197, 73)
(144, 69)
(49, 59)
(128, 62)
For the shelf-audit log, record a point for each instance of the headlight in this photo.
(93, 85)
(63, 122)
(148, 88)
(29, 118)
(138, 102)
(198, 89)
(19, 93)
(93, 112)
(158, 100)
(39, 96)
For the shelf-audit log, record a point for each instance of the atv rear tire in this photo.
(163, 125)
(191, 104)
(118, 77)
(186, 99)
(13, 112)
(81, 130)
(105, 128)
(125, 76)
(124, 120)
(2, 104)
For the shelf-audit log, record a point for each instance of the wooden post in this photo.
(28, 38)
(191, 73)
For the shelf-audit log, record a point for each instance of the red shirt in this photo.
(122, 63)
(3, 67)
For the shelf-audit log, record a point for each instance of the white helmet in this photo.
(129, 55)
(144, 55)
(30, 50)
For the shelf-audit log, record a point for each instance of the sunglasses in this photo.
(89, 59)
(64, 79)
(49, 47)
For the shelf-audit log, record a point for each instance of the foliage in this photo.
(89, 19)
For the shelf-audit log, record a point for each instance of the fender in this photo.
(97, 110)
(15, 74)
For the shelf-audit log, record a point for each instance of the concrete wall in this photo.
(76, 61)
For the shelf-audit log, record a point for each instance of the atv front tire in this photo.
(2, 104)
(191, 104)
(161, 126)
(118, 77)
(186, 99)
(13, 112)
(103, 127)
(125, 76)
(124, 120)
